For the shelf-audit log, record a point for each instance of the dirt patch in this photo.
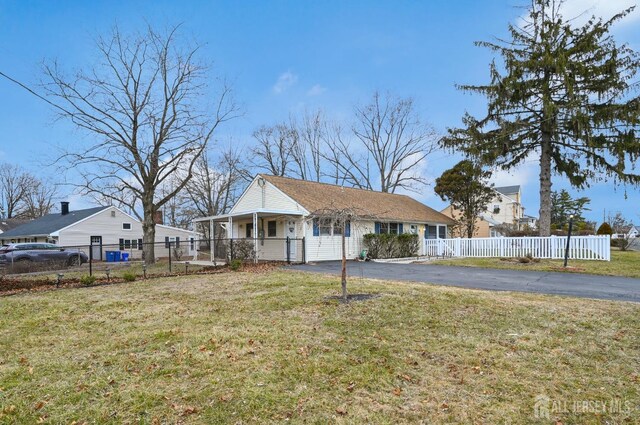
(352, 297)
(15, 284)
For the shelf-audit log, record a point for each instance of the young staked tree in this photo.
(149, 114)
(466, 188)
(563, 93)
(339, 218)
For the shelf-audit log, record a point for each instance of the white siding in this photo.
(272, 248)
(108, 225)
(274, 199)
(325, 248)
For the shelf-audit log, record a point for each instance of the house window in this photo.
(414, 229)
(248, 231)
(496, 209)
(192, 244)
(393, 228)
(337, 229)
(271, 229)
(130, 244)
(126, 226)
(325, 228)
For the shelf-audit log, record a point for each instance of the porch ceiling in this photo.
(248, 215)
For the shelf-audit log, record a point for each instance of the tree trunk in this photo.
(149, 233)
(344, 267)
(544, 222)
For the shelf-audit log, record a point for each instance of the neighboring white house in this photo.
(506, 207)
(106, 228)
(633, 232)
(272, 209)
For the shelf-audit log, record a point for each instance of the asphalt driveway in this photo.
(571, 284)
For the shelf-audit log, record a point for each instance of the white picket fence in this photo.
(552, 247)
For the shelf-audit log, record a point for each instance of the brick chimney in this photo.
(64, 208)
(158, 217)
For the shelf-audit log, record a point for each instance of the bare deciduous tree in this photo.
(273, 152)
(390, 144)
(308, 145)
(23, 195)
(38, 199)
(215, 188)
(13, 188)
(143, 106)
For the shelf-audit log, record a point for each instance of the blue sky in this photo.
(287, 56)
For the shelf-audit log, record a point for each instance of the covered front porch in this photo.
(258, 235)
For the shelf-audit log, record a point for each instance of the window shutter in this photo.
(377, 225)
(400, 231)
(121, 243)
(177, 242)
(166, 242)
(316, 227)
(140, 244)
(347, 229)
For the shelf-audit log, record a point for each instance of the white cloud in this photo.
(580, 11)
(285, 81)
(316, 90)
(522, 175)
(584, 9)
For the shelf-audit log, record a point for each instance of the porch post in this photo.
(255, 237)
(212, 239)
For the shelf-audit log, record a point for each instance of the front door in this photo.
(290, 232)
(96, 247)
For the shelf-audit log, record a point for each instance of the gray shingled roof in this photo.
(507, 190)
(50, 223)
(7, 224)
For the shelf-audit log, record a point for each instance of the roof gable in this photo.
(315, 196)
(51, 223)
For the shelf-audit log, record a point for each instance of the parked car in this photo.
(42, 253)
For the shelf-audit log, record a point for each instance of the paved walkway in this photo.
(571, 284)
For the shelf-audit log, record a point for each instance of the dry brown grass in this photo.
(623, 263)
(264, 348)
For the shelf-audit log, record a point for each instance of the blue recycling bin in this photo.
(111, 256)
(125, 256)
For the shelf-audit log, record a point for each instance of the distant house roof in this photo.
(315, 196)
(507, 190)
(7, 224)
(50, 223)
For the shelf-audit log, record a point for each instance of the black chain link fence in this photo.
(29, 260)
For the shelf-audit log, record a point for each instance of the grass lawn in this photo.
(269, 347)
(623, 263)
